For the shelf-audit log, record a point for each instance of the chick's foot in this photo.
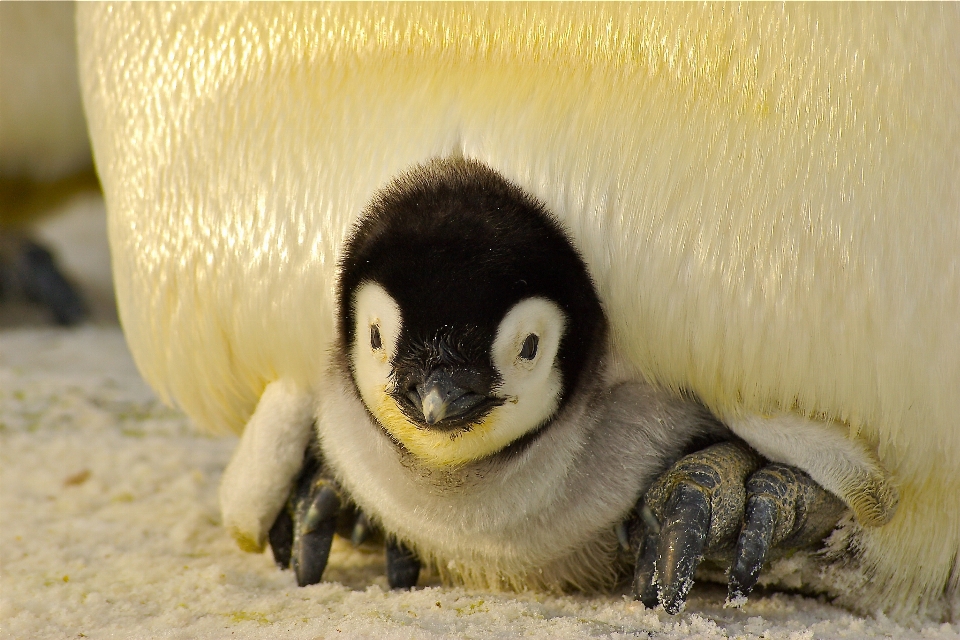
(719, 503)
(317, 509)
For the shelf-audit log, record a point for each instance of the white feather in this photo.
(840, 464)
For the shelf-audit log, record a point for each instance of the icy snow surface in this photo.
(109, 526)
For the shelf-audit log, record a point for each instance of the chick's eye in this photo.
(375, 342)
(529, 349)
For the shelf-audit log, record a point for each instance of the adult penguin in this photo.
(766, 200)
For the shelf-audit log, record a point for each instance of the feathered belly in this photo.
(543, 517)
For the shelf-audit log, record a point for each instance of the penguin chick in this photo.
(477, 416)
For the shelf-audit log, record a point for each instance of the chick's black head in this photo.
(457, 246)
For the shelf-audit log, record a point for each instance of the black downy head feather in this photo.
(456, 246)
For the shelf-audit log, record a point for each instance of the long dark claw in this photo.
(281, 538)
(752, 547)
(647, 542)
(362, 529)
(403, 566)
(313, 533)
(682, 541)
(784, 507)
(302, 534)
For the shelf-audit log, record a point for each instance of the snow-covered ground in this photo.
(109, 525)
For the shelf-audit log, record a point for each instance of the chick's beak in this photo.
(433, 404)
(440, 397)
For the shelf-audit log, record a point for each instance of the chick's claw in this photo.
(313, 531)
(403, 566)
(719, 503)
(302, 534)
(303, 531)
(785, 508)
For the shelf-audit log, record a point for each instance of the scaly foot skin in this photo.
(721, 500)
(302, 534)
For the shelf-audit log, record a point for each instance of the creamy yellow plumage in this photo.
(767, 197)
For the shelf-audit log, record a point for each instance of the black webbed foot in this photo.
(719, 503)
(28, 269)
(302, 534)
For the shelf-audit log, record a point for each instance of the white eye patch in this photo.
(524, 353)
(528, 336)
(377, 326)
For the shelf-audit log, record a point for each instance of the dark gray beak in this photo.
(440, 397)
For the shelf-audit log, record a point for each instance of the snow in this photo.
(109, 524)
